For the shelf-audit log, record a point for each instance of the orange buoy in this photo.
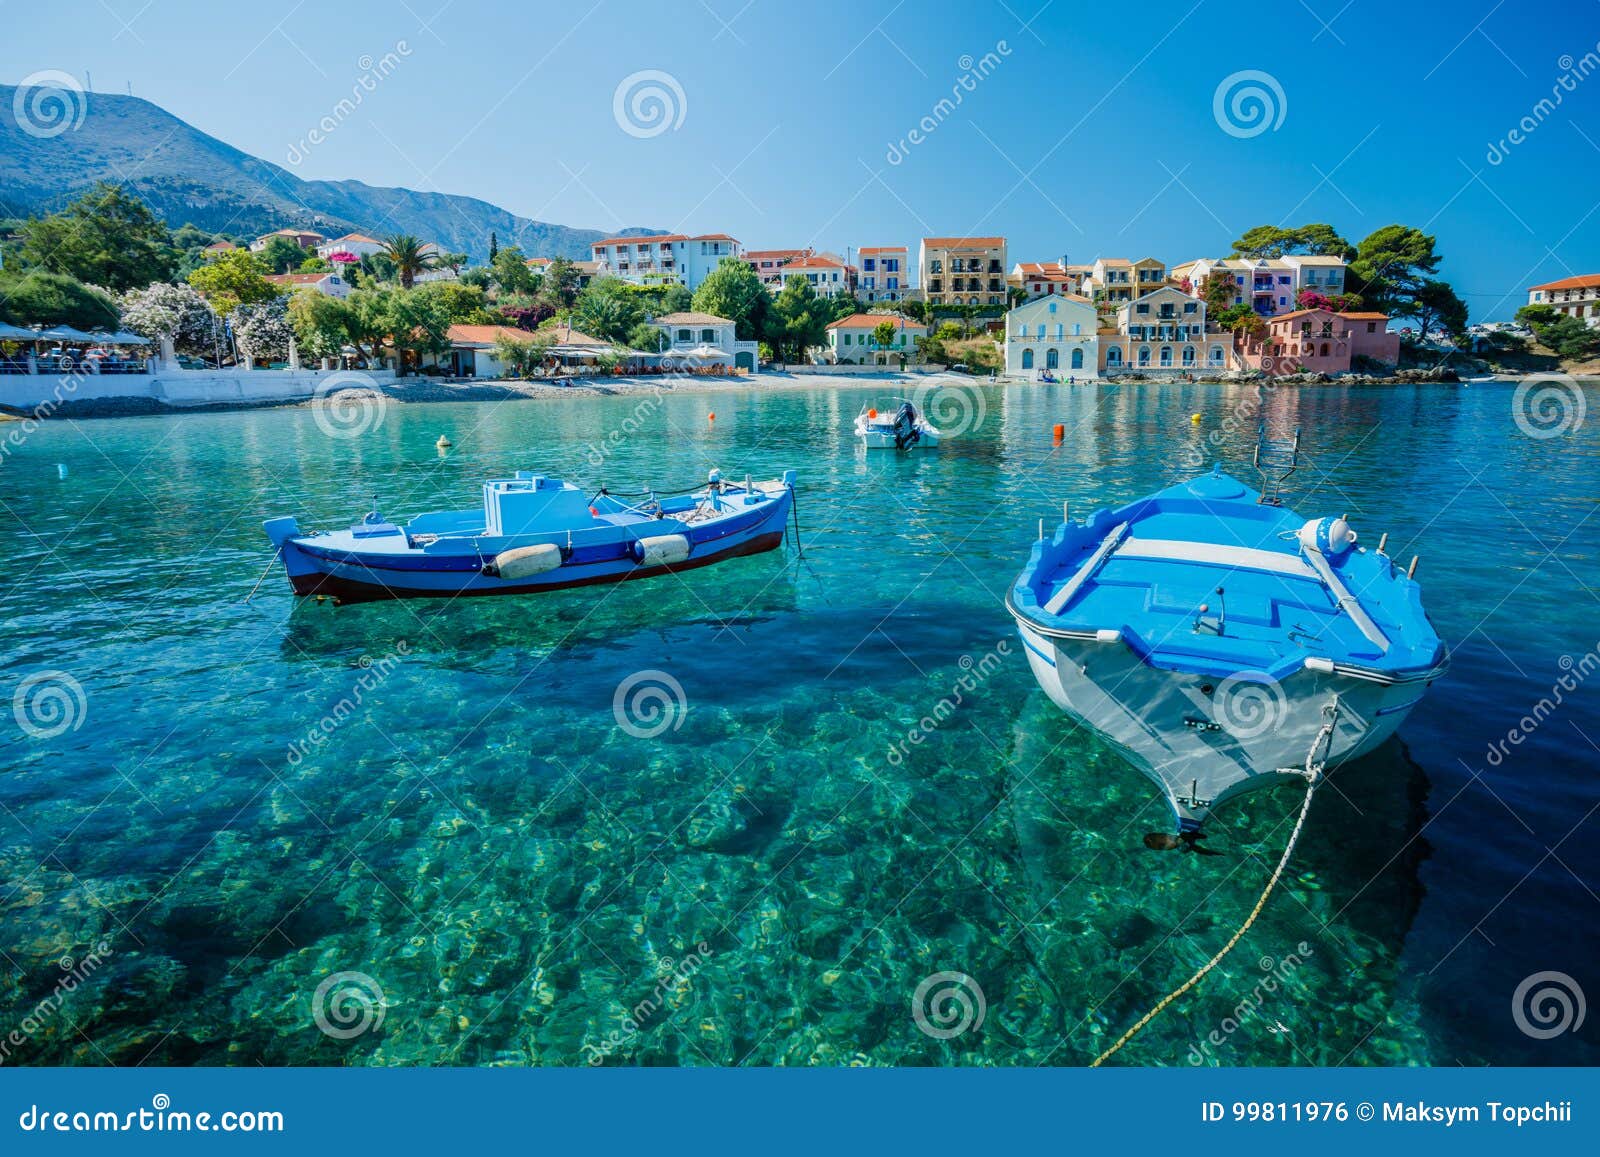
(1059, 432)
(711, 417)
(872, 413)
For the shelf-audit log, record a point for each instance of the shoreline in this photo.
(426, 391)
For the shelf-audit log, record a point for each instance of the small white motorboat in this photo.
(899, 429)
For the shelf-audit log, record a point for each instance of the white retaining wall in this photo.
(181, 387)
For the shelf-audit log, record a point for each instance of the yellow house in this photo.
(963, 270)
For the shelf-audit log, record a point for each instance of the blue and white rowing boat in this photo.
(535, 533)
(1222, 642)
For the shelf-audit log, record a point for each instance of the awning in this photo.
(16, 333)
(64, 333)
(123, 337)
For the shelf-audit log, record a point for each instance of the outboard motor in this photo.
(905, 426)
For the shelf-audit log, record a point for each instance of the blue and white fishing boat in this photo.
(536, 533)
(1222, 642)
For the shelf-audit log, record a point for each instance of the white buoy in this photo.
(61, 470)
(443, 443)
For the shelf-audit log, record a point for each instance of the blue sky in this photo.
(1094, 130)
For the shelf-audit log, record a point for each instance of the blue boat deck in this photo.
(1151, 572)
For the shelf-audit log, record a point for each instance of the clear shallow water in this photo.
(769, 879)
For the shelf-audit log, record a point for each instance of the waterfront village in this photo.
(1286, 302)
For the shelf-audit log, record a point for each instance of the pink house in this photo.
(1318, 341)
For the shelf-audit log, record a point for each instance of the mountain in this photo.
(184, 175)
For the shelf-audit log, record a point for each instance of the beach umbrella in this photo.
(16, 333)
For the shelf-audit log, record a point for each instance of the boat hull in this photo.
(353, 583)
(320, 565)
(1205, 740)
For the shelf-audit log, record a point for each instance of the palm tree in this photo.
(410, 257)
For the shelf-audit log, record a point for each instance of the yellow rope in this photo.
(1312, 778)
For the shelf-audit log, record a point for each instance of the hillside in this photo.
(187, 176)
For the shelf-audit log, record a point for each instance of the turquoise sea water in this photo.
(218, 807)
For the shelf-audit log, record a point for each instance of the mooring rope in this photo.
(1313, 774)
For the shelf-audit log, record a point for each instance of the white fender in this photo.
(527, 561)
(661, 549)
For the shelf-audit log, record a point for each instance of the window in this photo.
(1052, 307)
(1166, 355)
(1052, 359)
(1114, 356)
(1144, 355)
(1324, 349)
(1142, 307)
(1027, 359)
(1077, 357)
(1041, 331)
(869, 265)
(708, 336)
(1190, 307)
(1216, 355)
(1058, 331)
(1188, 355)
(685, 335)
(1076, 329)
(1372, 327)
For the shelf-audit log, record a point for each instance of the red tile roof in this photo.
(219, 246)
(873, 320)
(818, 262)
(866, 249)
(691, 319)
(1583, 281)
(485, 334)
(1051, 269)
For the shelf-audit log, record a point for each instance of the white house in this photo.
(330, 283)
(703, 336)
(664, 258)
(827, 274)
(357, 243)
(851, 340)
(1053, 334)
